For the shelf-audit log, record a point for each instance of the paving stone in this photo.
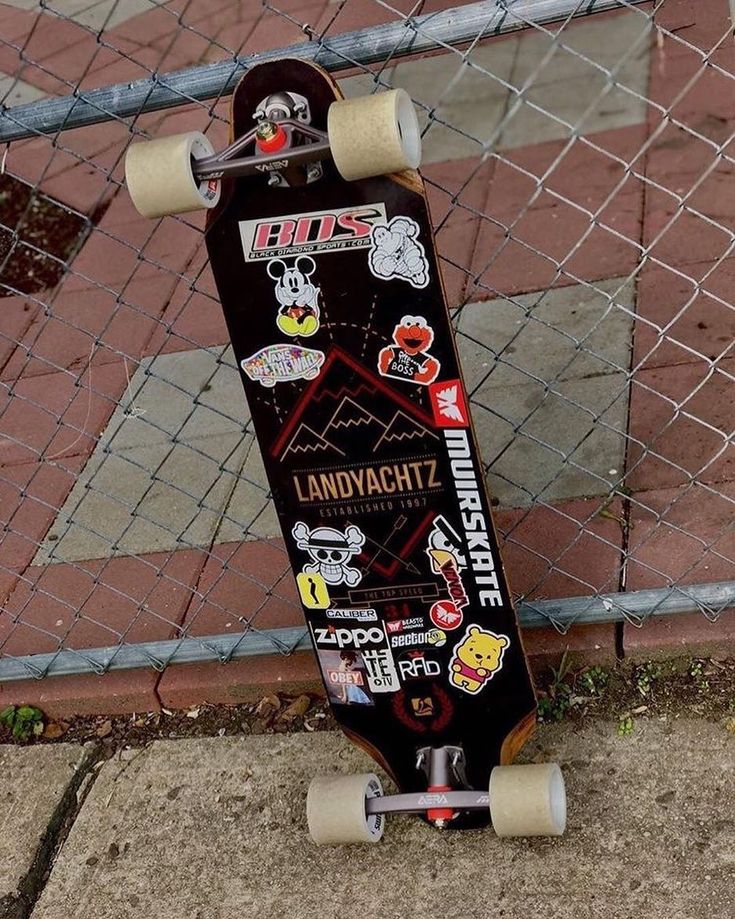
(14, 91)
(561, 443)
(97, 15)
(36, 782)
(235, 807)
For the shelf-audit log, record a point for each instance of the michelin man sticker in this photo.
(330, 550)
(297, 296)
(396, 253)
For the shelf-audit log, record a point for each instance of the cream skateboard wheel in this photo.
(160, 178)
(335, 809)
(374, 135)
(528, 800)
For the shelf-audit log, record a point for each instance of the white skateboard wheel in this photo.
(374, 135)
(160, 179)
(528, 800)
(335, 809)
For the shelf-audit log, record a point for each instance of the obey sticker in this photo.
(448, 404)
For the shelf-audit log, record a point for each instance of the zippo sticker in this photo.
(298, 297)
(312, 590)
(397, 253)
(408, 358)
(330, 552)
(476, 659)
(448, 404)
(282, 364)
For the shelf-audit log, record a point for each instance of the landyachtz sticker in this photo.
(397, 253)
(408, 358)
(476, 659)
(318, 232)
(448, 404)
(298, 313)
(282, 364)
(330, 550)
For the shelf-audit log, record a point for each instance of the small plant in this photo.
(594, 680)
(645, 676)
(557, 700)
(625, 725)
(696, 672)
(23, 721)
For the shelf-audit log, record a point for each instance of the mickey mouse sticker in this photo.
(297, 296)
(408, 358)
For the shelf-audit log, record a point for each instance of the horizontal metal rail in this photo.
(415, 35)
(634, 607)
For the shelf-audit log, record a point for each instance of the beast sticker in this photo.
(476, 659)
(308, 234)
(298, 297)
(408, 358)
(397, 253)
(330, 551)
(282, 364)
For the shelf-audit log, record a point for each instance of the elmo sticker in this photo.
(408, 358)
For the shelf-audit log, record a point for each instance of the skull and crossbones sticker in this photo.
(330, 551)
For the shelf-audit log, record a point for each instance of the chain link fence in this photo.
(579, 163)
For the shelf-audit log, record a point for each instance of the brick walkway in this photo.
(133, 503)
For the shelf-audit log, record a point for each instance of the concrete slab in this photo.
(564, 443)
(215, 828)
(102, 14)
(14, 91)
(35, 783)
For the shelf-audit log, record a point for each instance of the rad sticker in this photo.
(282, 364)
(408, 358)
(416, 666)
(448, 404)
(312, 590)
(397, 253)
(476, 659)
(330, 551)
(298, 313)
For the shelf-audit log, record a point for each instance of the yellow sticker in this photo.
(313, 590)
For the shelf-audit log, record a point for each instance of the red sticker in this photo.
(445, 615)
(448, 404)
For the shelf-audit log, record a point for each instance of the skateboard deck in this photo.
(336, 309)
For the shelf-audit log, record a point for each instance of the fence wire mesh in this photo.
(580, 174)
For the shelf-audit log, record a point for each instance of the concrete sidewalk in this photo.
(213, 829)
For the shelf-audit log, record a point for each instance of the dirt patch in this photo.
(628, 693)
(37, 236)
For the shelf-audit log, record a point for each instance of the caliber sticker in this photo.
(359, 615)
(330, 551)
(298, 298)
(308, 234)
(397, 253)
(312, 590)
(476, 659)
(408, 358)
(345, 677)
(282, 364)
(448, 404)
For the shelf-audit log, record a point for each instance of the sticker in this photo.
(330, 550)
(298, 313)
(360, 615)
(445, 615)
(416, 666)
(434, 637)
(331, 636)
(408, 358)
(429, 709)
(476, 659)
(447, 560)
(397, 253)
(448, 404)
(312, 590)
(345, 677)
(282, 364)
(398, 625)
(308, 234)
(381, 670)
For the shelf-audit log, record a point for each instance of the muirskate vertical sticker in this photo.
(397, 253)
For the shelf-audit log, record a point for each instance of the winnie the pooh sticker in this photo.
(408, 358)
(476, 659)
